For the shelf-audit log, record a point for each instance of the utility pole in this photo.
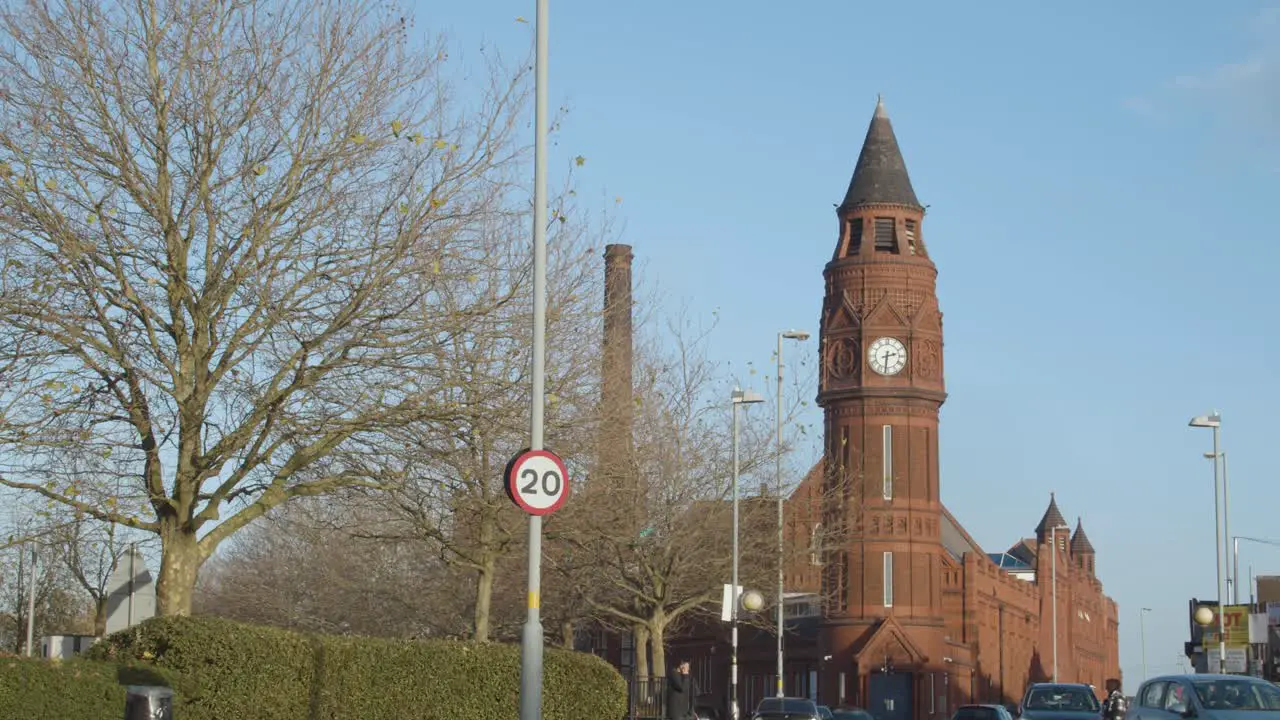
(31, 605)
(531, 640)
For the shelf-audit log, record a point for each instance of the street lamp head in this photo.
(800, 335)
(1210, 456)
(1211, 420)
(1203, 616)
(1146, 610)
(746, 397)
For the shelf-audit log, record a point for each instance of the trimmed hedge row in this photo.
(260, 673)
(70, 690)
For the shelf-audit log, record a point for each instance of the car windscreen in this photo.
(976, 713)
(796, 706)
(1237, 694)
(1061, 698)
(852, 715)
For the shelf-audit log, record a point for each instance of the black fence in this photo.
(646, 698)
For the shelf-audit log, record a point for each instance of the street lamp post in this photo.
(801, 336)
(1142, 628)
(1053, 538)
(1233, 570)
(1214, 422)
(531, 638)
(740, 397)
(31, 605)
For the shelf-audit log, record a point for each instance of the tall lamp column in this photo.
(1053, 538)
(1214, 422)
(739, 397)
(801, 336)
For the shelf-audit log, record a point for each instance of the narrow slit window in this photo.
(855, 237)
(888, 579)
(911, 236)
(888, 462)
(885, 241)
(815, 545)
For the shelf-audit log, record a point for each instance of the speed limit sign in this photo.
(537, 482)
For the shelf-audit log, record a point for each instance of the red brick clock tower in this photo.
(881, 388)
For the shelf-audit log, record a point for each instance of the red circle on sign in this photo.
(538, 482)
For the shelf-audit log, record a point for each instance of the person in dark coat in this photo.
(682, 693)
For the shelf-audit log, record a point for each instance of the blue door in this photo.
(890, 696)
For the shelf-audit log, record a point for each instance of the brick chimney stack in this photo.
(616, 401)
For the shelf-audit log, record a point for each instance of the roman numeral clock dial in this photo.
(887, 356)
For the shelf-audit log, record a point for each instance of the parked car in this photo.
(852, 714)
(982, 712)
(776, 708)
(1059, 701)
(1206, 697)
(825, 712)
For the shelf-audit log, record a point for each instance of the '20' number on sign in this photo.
(538, 481)
(550, 485)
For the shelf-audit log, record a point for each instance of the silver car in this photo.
(1206, 697)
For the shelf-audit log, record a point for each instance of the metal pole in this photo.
(1142, 626)
(733, 587)
(531, 638)
(1217, 555)
(1232, 593)
(1235, 567)
(133, 548)
(781, 545)
(1053, 535)
(1234, 577)
(31, 606)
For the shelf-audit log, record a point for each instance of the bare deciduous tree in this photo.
(292, 569)
(60, 607)
(90, 550)
(647, 547)
(228, 229)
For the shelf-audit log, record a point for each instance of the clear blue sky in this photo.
(1104, 185)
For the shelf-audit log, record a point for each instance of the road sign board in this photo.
(537, 481)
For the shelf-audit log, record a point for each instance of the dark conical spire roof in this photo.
(880, 175)
(1080, 544)
(1052, 518)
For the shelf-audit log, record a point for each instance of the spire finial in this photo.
(880, 111)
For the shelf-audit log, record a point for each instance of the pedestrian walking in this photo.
(682, 693)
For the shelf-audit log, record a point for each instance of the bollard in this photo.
(144, 702)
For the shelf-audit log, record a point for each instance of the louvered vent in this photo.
(884, 236)
(855, 237)
(911, 236)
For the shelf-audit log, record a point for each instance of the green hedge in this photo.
(71, 689)
(259, 673)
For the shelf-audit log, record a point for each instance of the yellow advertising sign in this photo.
(1235, 624)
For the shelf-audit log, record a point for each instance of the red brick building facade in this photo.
(915, 618)
(907, 616)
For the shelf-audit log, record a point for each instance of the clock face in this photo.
(887, 356)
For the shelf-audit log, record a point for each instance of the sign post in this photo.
(531, 639)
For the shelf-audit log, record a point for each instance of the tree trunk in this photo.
(179, 569)
(641, 635)
(484, 598)
(100, 616)
(566, 634)
(657, 639)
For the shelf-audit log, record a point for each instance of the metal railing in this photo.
(646, 698)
